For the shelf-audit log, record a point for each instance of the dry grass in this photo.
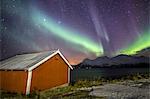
(71, 91)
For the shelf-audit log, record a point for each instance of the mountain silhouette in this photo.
(144, 52)
(141, 57)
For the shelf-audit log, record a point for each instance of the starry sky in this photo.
(79, 28)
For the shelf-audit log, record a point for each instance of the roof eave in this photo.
(45, 59)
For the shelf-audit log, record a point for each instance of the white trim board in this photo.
(57, 52)
(64, 59)
(28, 86)
(68, 75)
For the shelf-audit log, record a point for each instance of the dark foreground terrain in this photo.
(126, 87)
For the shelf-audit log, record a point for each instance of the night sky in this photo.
(79, 28)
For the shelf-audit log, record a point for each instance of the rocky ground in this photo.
(99, 89)
(129, 89)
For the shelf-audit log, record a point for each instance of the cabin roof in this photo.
(29, 61)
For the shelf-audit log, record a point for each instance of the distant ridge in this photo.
(142, 57)
(144, 52)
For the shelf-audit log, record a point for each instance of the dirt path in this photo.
(124, 90)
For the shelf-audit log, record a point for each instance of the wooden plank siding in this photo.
(52, 73)
(13, 81)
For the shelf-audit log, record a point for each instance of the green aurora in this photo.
(140, 43)
(66, 34)
(77, 38)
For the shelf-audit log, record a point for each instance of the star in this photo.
(44, 20)
(59, 22)
(75, 26)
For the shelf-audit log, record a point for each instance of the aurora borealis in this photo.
(140, 43)
(70, 36)
(79, 28)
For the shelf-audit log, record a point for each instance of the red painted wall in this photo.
(51, 73)
(13, 81)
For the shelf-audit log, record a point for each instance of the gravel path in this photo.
(124, 90)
